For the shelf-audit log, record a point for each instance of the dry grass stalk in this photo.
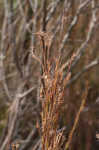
(52, 96)
(77, 117)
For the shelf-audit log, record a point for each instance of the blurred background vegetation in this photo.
(18, 20)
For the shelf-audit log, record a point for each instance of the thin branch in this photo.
(27, 92)
(12, 126)
(29, 138)
(44, 10)
(37, 145)
(85, 69)
(14, 110)
(33, 41)
(76, 119)
(52, 11)
(73, 23)
(56, 28)
(3, 50)
(12, 36)
(83, 46)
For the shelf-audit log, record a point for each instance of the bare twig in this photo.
(29, 138)
(82, 48)
(3, 50)
(52, 11)
(14, 110)
(73, 23)
(76, 119)
(27, 92)
(85, 69)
